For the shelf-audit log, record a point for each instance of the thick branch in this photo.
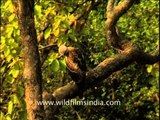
(105, 69)
(113, 15)
(121, 9)
(110, 5)
(146, 58)
(66, 92)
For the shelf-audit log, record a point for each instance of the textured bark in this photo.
(107, 67)
(113, 13)
(129, 53)
(32, 70)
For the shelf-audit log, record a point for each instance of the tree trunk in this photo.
(32, 70)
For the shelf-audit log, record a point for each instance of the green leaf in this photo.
(56, 32)
(20, 91)
(7, 51)
(65, 22)
(2, 115)
(9, 6)
(8, 117)
(11, 17)
(3, 69)
(15, 73)
(10, 107)
(47, 33)
(50, 60)
(2, 40)
(8, 58)
(72, 36)
(23, 115)
(13, 63)
(63, 40)
(62, 64)
(13, 51)
(57, 23)
(103, 94)
(37, 9)
(55, 65)
(9, 31)
(149, 69)
(15, 99)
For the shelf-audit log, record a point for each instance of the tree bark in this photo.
(107, 67)
(32, 70)
(130, 53)
(31, 61)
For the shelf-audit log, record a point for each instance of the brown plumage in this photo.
(75, 63)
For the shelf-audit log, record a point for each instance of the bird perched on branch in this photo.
(75, 63)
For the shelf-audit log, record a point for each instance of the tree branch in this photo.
(113, 15)
(105, 69)
(146, 58)
(84, 14)
(80, 17)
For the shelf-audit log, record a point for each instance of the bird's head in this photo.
(62, 50)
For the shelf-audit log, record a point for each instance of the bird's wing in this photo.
(79, 59)
(72, 66)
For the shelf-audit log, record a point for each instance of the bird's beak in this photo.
(60, 56)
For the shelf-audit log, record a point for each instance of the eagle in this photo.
(75, 63)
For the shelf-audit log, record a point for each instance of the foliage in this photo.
(135, 86)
